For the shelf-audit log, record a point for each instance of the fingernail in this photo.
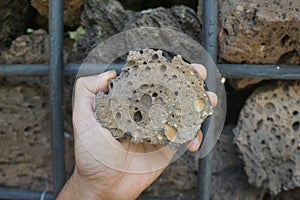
(194, 144)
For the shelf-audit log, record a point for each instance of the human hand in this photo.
(95, 179)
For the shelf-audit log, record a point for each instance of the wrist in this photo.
(77, 188)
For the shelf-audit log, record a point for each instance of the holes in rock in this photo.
(118, 115)
(273, 130)
(270, 107)
(145, 63)
(174, 77)
(137, 117)
(284, 40)
(259, 124)
(27, 128)
(136, 108)
(163, 68)
(135, 67)
(270, 119)
(295, 113)
(155, 57)
(111, 85)
(154, 94)
(165, 76)
(292, 141)
(141, 51)
(129, 83)
(176, 93)
(263, 142)
(147, 68)
(295, 126)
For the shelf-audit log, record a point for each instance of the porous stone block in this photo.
(154, 99)
(268, 135)
(13, 17)
(103, 19)
(72, 10)
(30, 49)
(259, 31)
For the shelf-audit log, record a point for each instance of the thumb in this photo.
(85, 90)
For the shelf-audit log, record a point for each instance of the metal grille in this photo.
(56, 71)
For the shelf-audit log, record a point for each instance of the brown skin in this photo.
(92, 179)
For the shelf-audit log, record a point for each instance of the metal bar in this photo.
(260, 71)
(56, 93)
(209, 38)
(227, 70)
(10, 194)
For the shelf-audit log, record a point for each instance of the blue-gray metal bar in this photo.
(56, 72)
(209, 42)
(227, 70)
(260, 71)
(11, 194)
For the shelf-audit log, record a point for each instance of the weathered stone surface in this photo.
(30, 49)
(13, 18)
(103, 19)
(154, 99)
(259, 31)
(138, 5)
(268, 136)
(25, 155)
(24, 137)
(242, 83)
(72, 10)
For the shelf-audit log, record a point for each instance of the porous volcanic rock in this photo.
(255, 31)
(72, 10)
(13, 18)
(154, 100)
(30, 49)
(268, 135)
(105, 18)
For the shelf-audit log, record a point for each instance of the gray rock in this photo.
(13, 17)
(103, 19)
(268, 136)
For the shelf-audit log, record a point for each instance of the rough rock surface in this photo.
(30, 49)
(242, 83)
(20, 107)
(268, 136)
(155, 100)
(259, 31)
(72, 10)
(13, 18)
(138, 5)
(25, 155)
(105, 18)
